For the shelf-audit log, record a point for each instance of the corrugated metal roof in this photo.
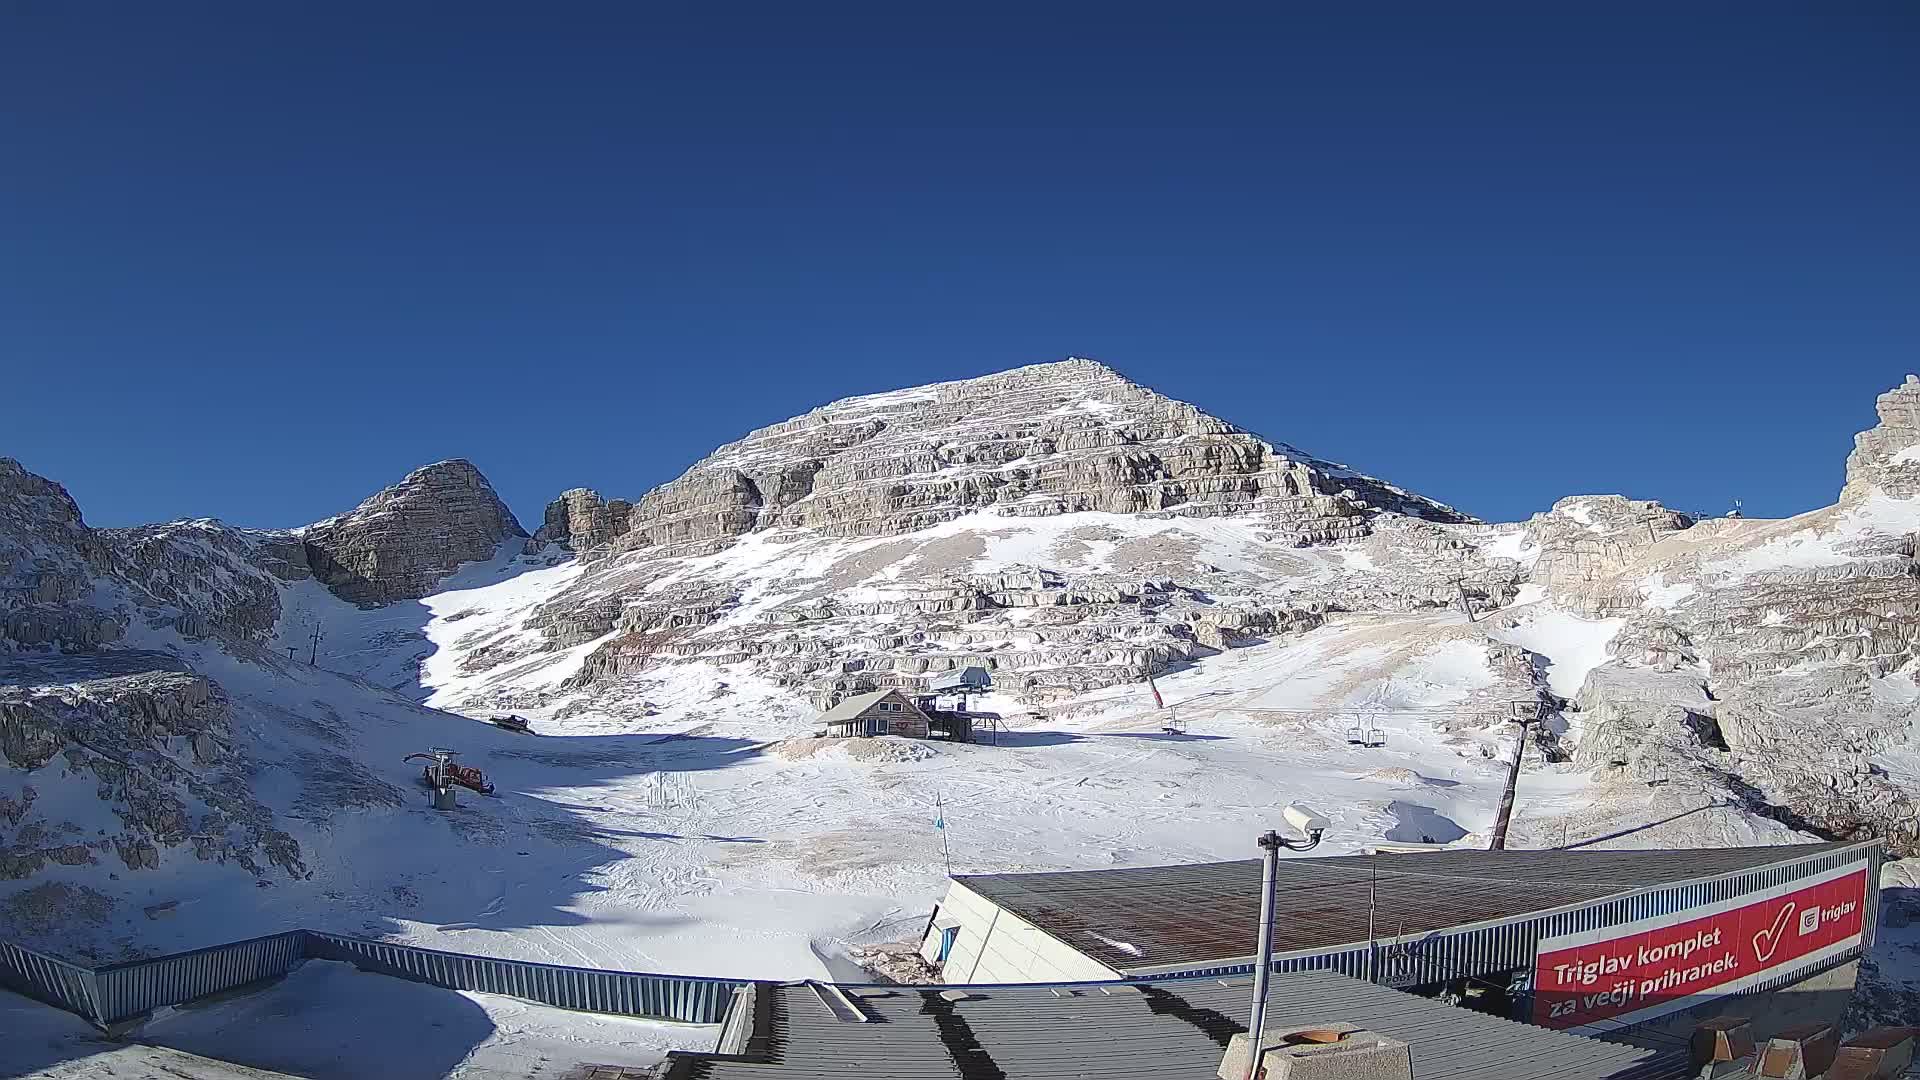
(1150, 917)
(1138, 1030)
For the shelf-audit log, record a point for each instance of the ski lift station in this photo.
(1519, 931)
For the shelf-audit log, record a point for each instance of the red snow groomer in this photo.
(441, 772)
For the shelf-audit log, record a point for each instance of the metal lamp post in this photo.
(1312, 825)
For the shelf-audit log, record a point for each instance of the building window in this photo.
(947, 937)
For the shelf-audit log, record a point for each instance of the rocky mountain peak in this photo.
(1885, 457)
(1036, 441)
(400, 542)
(42, 534)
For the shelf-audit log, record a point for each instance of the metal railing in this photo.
(43, 978)
(686, 998)
(140, 986)
(118, 992)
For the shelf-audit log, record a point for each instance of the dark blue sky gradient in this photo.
(257, 260)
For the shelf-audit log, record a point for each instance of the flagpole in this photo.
(940, 822)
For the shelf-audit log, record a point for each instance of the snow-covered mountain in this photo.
(203, 725)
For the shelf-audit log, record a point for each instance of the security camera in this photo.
(1310, 825)
(1305, 819)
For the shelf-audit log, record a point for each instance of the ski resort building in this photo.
(1590, 941)
(890, 712)
(879, 712)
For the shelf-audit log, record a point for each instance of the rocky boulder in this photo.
(400, 543)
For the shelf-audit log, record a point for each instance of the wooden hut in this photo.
(879, 712)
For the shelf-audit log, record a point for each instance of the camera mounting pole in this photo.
(1271, 844)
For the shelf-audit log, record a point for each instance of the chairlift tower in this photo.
(1526, 713)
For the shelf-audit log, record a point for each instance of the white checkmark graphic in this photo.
(1766, 941)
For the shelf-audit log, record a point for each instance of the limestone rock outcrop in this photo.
(870, 483)
(1886, 457)
(1036, 441)
(1777, 655)
(580, 520)
(205, 578)
(158, 747)
(49, 560)
(402, 541)
(1585, 541)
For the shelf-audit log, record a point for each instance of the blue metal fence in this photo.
(127, 990)
(686, 998)
(43, 978)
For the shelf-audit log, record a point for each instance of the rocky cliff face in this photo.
(1071, 531)
(1776, 656)
(1033, 442)
(157, 748)
(112, 756)
(861, 545)
(400, 542)
(48, 561)
(580, 520)
(1885, 457)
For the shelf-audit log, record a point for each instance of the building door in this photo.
(947, 937)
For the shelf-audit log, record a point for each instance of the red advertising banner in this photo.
(1643, 969)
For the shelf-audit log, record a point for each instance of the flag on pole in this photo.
(940, 823)
(1157, 703)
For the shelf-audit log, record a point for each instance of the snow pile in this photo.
(879, 750)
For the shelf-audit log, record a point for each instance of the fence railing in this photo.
(687, 998)
(128, 990)
(117, 992)
(56, 982)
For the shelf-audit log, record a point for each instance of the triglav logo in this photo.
(1766, 941)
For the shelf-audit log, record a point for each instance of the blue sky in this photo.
(257, 261)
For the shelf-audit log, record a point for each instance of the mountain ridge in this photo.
(257, 712)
